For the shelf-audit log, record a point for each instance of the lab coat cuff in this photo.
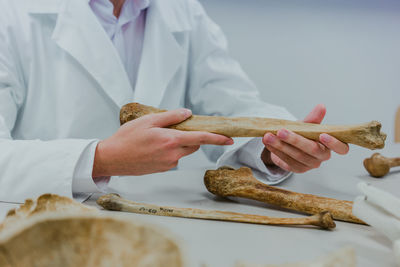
(248, 153)
(272, 174)
(82, 182)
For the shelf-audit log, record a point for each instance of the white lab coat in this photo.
(62, 84)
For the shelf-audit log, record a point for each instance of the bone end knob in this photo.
(326, 220)
(372, 136)
(378, 165)
(219, 182)
(110, 202)
(133, 111)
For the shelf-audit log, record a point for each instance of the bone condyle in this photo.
(378, 165)
(227, 182)
(366, 135)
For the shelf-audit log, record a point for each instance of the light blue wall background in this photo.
(345, 54)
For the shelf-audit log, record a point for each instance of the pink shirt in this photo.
(126, 32)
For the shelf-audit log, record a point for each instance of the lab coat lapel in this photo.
(80, 34)
(161, 57)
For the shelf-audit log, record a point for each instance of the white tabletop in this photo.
(223, 243)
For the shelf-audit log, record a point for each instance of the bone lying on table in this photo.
(378, 165)
(116, 203)
(227, 182)
(366, 135)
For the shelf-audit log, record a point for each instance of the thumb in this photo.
(168, 118)
(316, 115)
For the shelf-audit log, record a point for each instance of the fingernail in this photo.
(186, 112)
(283, 133)
(229, 142)
(270, 139)
(325, 138)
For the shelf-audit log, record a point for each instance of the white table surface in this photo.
(223, 243)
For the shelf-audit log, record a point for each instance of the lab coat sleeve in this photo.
(29, 168)
(83, 182)
(218, 86)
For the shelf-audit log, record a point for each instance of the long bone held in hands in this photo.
(367, 135)
(227, 182)
(378, 165)
(115, 202)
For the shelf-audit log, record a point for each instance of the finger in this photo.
(334, 144)
(203, 138)
(293, 165)
(280, 163)
(187, 150)
(291, 151)
(316, 115)
(310, 147)
(168, 118)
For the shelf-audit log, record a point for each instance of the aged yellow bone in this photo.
(56, 231)
(378, 165)
(227, 182)
(367, 135)
(115, 202)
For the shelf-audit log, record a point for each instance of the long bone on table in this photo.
(116, 203)
(228, 182)
(366, 135)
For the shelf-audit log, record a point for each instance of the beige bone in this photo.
(366, 135)
(227, 182)
(378, 165)
(115, 202)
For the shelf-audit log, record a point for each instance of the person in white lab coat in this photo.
(67, 67)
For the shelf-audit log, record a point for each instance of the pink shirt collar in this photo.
(129, 12)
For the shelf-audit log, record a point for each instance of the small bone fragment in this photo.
(227, 182)
(378, 165)
(116, 203)
(367, 135)
(345, 257)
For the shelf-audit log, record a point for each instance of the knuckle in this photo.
(202, 139)
(195, 148)
(171, 142)
(173, 164)
(294, 140)
(315, 149)
(328, 155)
(316, 165)
(279, 145)
(205, 138)
(298, 155)
(175, 157)
(149, 119)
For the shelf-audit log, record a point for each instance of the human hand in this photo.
(295, 153)
(144, 146)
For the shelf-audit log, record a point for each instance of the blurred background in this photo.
(345, 54)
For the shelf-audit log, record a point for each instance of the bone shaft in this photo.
(258, 127)
(394, 162)
(340, 209)
(130, 206)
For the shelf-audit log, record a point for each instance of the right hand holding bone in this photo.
(144, 146)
